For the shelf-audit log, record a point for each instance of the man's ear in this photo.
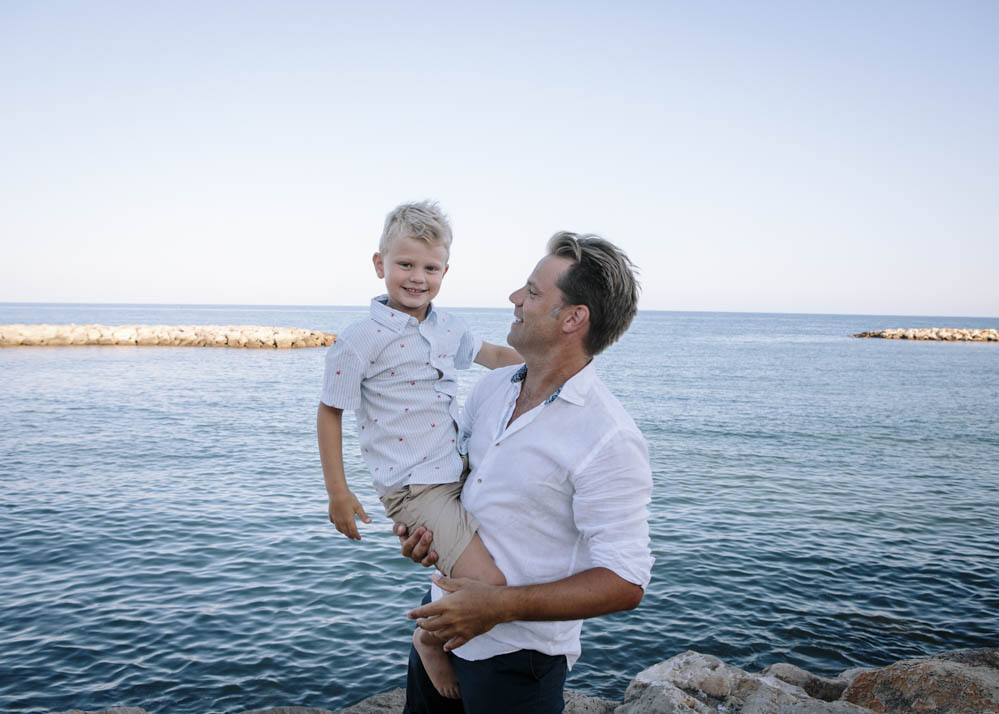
(576, 318)
(379, 265)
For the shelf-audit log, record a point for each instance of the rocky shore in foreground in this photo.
(956, 682)
(942, 334)
(252, 336)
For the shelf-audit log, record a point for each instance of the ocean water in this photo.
(819, 499)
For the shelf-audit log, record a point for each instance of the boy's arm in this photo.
(343, 504)
(496, 356)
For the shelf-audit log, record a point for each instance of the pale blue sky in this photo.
(797, 156)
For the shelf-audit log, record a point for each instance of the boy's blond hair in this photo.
(423, 220)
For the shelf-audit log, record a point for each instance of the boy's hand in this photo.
(342, 512)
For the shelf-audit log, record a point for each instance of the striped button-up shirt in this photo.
(400, 376)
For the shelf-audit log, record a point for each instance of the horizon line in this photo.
(480, 307)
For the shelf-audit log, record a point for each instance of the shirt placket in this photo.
(503, 433)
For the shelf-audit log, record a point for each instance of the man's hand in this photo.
(469, 609)
(342, 511)
(416, 547)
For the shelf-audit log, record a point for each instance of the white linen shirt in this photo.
(399, 374)
(564, 488)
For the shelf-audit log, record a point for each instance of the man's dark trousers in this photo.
(524, 681)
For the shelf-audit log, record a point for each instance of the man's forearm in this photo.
(471, 608)
(591, 593)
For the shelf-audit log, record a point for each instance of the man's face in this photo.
(536, 307)
(413, 270)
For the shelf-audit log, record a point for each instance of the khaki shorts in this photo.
(438, 507)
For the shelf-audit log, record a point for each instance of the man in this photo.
(559, 482)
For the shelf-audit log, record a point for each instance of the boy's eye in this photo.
(405, 264)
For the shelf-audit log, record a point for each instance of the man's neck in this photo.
(545, 374)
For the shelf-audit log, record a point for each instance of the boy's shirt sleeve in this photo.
(342, 376)
(466, 418)
(468, 347)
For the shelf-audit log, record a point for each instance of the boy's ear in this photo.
(379, 265)
(444, 272)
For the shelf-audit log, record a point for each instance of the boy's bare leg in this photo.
(475, 563)
(436, 663)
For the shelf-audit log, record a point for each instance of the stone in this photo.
(694, 683)
(392, 702)
(824, 688)
(936, 333)
(578, 703)
(163, 335)
(958, 682)
(298, 710)
(112, 710)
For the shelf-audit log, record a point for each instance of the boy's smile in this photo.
(413, 270)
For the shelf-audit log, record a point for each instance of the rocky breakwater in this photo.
(942, 334)
(253, 336)
(956, 682)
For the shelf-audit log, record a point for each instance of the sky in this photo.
(800, 156)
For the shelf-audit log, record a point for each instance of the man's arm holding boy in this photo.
(615, 525)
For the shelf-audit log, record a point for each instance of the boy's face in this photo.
(413, 270)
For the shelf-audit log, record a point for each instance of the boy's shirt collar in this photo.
(396, 320)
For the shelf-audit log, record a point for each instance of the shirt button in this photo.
(479, 480)
(496, 444)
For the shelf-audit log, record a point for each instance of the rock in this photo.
(936, 333)
(576, 703)
(299, 710)
(828, 690)
(698, 683)
(112, 710)
(962, 681)
(392, 702)
(163, 335)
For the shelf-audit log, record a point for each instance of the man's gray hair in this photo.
(603, 279)
(423, 220)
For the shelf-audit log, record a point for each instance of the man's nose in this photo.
(515, 296)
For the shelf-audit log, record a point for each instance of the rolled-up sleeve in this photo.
(468, 347)
(613, 488)
(342, 376)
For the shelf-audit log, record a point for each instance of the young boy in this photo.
(397, 369)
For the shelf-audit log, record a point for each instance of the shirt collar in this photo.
(396, 320)
(574, 389)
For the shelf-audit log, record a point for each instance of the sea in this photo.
(819, 499)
